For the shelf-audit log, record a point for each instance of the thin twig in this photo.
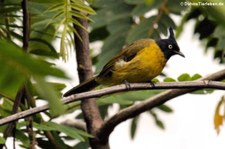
(28, 97)
(8, 130)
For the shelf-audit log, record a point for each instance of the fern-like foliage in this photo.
(64, 16)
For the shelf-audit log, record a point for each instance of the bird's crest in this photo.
(171, 34)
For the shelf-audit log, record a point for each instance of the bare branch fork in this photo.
(176, 89)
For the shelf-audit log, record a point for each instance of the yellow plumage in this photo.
(146, 65)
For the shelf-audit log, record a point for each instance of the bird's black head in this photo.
(169, 46)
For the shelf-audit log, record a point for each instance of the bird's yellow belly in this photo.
(145, 66)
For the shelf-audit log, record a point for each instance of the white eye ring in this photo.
(170, 46)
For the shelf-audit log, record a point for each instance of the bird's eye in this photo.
(170, 46)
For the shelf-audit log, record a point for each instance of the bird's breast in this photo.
(146, 65)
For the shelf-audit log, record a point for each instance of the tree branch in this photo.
(89, 107)
(26, 24)
(159, 99)
(189, 86)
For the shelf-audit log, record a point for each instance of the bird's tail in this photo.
(85, 86)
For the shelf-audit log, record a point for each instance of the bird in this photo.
(139, 62)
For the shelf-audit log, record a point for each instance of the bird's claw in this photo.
(127, 84)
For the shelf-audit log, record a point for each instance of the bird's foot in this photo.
(127, 84)
(152, 84)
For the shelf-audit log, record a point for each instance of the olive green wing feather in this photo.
(127, 54)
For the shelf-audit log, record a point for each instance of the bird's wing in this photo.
(127, 54)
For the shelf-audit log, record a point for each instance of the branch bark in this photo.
(188, 87)
(89, 107)
(105, 130)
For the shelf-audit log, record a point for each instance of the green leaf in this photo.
(59, 141)
(6, 107)
(221, 43)
(134, 1)
(168, 79)
(51, 126)
(99, 21)
(203, 91)
(158, 122)
(128, 98)
(113, 99)
(25, 64)
(91, 1)
(104, 3)
(141, 9)
(133, 128)
(140, 31)
(165, 108)
(179, 29)
(10, 80)
(23, 138)
(184, 77)
(63, 13)
(80, 6)
(16, 67)
(187, 77)
(72, 132)
(168, 21)
(119, 26)
(219, 31)
(175, 7)
(196, 76)
(57, 86)
(2, 140)
(149, 2)
(217, 13)
(155, 80)
(162, 28)
(55, 103)
(110, 13)
(43, 126)
(42, 47)
(3, 128)
(82, 145)
(98, 34)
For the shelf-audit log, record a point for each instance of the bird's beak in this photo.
(179, 53)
